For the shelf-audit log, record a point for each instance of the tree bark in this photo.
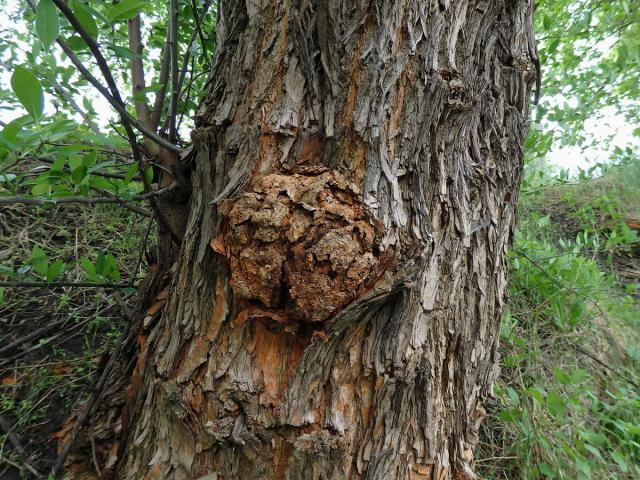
(333, 312)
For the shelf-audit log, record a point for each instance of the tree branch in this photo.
(84, 200)
(115, 100)
(173, 42)
(25, 284)
(91, 402)
(4, 425)
(196, 19)
(118, 105)
(129, 206)
(187, 57)
(137, 70)
(104, 69)
(158, 103)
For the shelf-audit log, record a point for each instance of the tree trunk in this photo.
(333, 312)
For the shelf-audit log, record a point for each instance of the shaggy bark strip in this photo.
(334, 310)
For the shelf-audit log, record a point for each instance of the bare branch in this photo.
(18, 447)
(129, 206)
(196, 19)
(91, 402)
(173, 42)
(84, 200)
(25, 284)
(158, 104)
(137, 70)
(34, 334)
(187, 57)
(118, 176)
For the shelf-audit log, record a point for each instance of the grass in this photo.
(568, 399)
(43, 378)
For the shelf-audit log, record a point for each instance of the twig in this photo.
(18, 447)
(26, 284)
(88, 408)
(69, 99)
(173, 42)
(92, 438)
(196, 19)
(85, 200)
(129, 206)
(117, 176)
(187, 56)
(104, 69)
(37, 333)
(123, 305)
(143, 247)
(137, 70)
(605, 366)
(31, 349)
(66, 97)
(158, 103)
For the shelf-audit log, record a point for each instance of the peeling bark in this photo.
(333, 312)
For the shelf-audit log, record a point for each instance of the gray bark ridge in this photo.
(335, 308)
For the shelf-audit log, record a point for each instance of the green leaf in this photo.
(74, 160)
(13, 128)
(76, 43)
(513, 395)
(122, 52)
(39, 260)
(28, 89)
(47, 23)
(561, 376)
(546, 470)
(125, 10)
(141, 95)
(556, 404)
(54, 270)
(131, 172)
(89, 269)
(90, 159)
(101, 263)
(78, 174)
(86, 19)
(58, 164)
(112, 268)
(102, 183)
(40, 189)
(620, 460)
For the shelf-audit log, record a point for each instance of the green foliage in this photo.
(590, 58)
(61, 148)
(569, 396)
(47, 23)
(28, 89)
